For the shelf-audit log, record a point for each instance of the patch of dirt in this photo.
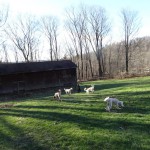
(6, 105)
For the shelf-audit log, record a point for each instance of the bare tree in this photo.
(25, 36)
(76, 26)
(88, 60)
(3, 19)
(72, 45)
(70, 53)
(99, 29)
(3, 15)
(50, 29)
(16, 54)
(4, 49)
(130, 22)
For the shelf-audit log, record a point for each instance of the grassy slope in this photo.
(80, 121)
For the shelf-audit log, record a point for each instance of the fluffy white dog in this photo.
(57, 95)
(110, 101)
(90, 89)
(68, 91)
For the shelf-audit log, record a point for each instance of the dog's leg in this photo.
(110, 105)
(117, 105)
(107, 108)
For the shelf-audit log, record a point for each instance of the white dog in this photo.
(90, 89)
(110, 101)
(68, 91)
(57, 95)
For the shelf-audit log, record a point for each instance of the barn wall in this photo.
(16, 83)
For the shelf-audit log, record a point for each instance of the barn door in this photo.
(19, 86)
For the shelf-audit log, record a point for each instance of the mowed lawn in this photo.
(79, 122)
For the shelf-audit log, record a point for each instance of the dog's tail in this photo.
(106, 99)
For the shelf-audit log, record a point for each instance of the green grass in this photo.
(80, 121)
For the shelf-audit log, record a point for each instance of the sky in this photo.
(57, 8)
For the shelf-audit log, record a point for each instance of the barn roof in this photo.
(24, 67)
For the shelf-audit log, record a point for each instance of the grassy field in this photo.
(80, 121)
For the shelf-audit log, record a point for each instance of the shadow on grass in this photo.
(62, 108)
(127, 109)
(82, 121)
(103, 86)
(136, 100)
(19, 140)
(82, 101)
(24, 141)
(136, 110)
(134, 93)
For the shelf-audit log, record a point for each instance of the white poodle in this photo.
(90, 89)
(110, 101)
(68, 91)
(57, 95)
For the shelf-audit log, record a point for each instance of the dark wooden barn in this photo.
(20, 77)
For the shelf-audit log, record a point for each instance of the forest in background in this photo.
(114, 60)
(85, 38)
